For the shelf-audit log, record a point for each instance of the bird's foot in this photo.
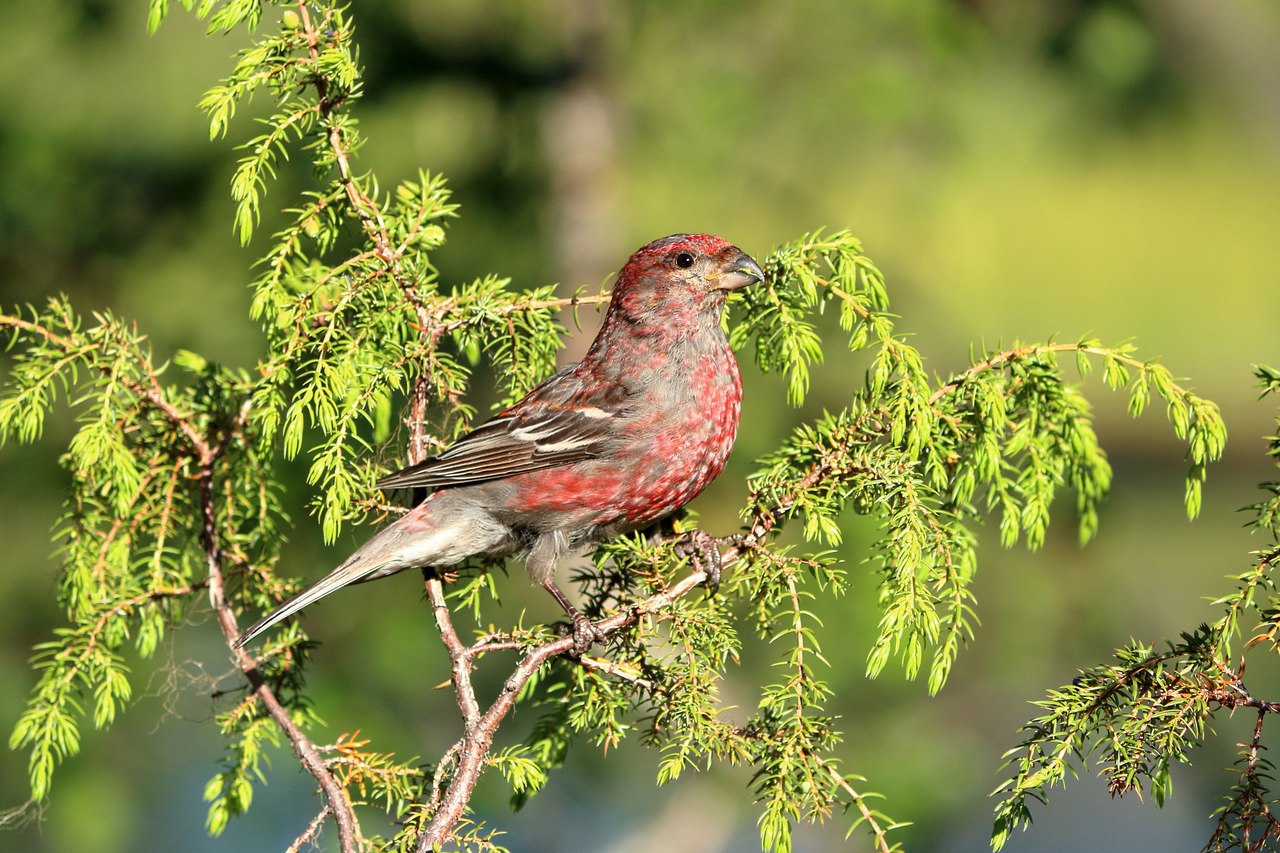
(584, 632)
(700, 547)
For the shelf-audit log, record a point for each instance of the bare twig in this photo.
(308, 835)
(459, 655)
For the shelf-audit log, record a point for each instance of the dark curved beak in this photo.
(738, 271)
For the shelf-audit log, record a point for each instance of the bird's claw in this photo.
(700, 547)
(584, 632)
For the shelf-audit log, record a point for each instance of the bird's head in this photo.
(679, 275)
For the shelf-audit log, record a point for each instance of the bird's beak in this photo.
(738, 271)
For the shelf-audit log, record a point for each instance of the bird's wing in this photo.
(538, 432)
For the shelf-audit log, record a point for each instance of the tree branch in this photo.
(308, 835)
(337, 803)
(535, 305)
(459, 655)
(151, 394)
(868, 816)
(478, 736)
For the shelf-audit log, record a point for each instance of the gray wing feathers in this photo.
(560, 427)
(513, 444)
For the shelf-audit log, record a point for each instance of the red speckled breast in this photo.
(675, 438)
(689, 450)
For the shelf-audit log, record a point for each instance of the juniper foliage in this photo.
(176, 497)
(1146, 710)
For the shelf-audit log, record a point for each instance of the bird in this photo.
(611, 444)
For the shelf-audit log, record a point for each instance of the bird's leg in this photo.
(585, 633)
(699, 546)
(541, 563)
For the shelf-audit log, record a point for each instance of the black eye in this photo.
(684, 260)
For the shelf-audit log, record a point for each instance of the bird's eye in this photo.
(684, 260)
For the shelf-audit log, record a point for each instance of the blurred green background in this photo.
(1018, 170)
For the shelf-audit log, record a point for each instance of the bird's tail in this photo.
(357, 567)
(443, 530)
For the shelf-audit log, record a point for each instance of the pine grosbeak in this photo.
(612, 444)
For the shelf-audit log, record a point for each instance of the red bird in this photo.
(608, 445)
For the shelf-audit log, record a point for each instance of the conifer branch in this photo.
(879, 833)
(150, 392)
(174, 492)
(478, 735)
(337, 803)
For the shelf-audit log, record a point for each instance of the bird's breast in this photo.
(672, 441)
(683, 443)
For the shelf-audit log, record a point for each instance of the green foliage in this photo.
(1002, 436)
(1148, 709)
(130, 537)
(175, 494)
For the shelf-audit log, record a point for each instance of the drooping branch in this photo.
(205, 452)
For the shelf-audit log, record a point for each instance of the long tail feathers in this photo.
(418, 539)
(355, 569)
